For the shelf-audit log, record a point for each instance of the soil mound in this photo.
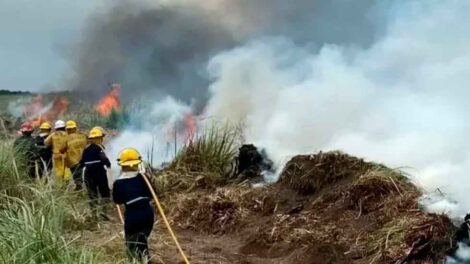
(327, 208)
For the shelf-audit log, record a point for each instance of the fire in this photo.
(36, 112)
(35, 107)
(190, 122)
(110, 101)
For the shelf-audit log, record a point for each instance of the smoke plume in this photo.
(161, 47)
(402, 101)
(387, 81)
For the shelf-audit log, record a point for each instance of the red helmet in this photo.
(26, 127)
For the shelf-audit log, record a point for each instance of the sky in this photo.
(35, 39)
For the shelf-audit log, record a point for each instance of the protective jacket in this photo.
(96, 179)
(25, 148)
(58, 141)
(131, 190)
(76, 144)
(26, 145)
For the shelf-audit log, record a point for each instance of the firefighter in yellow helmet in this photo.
(58, 141)
(76, 143)
(131, 190)
(44, 152)
(95, 162)
(101, 129)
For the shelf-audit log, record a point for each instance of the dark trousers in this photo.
(137, 228)
(77, 171)
(96, 182)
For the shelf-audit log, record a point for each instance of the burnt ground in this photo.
(327, 208)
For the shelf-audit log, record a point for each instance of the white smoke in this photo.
(153, 133)
(402, 101)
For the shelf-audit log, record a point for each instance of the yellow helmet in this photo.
(45, 126)
(100, 128)
(129, 157)
(71, 124)
(95, 133)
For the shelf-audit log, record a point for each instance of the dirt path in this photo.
(220, 249)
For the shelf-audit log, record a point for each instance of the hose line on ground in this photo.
(165, 220)
(120, 213)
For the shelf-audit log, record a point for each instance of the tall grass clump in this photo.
(212, 151)
(13, 169)
(36, 216)
(32, 230)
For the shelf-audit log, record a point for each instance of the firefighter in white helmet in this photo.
(58, 141)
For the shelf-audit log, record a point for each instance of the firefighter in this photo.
(25, 148)
(94, 161)
(58, 142)
(102, 130)
(76, 143)
(44, 152)
(131, 191)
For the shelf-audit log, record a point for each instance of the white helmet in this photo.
(59, 124)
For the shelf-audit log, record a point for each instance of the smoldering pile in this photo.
(327, 206)
(310, 173)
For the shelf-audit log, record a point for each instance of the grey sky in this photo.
(34, 38)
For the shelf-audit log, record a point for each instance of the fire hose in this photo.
(162, 214)
(165, 220)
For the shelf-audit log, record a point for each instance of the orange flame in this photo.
(34, 108)
(190, 122)
(36, 113)
(110, 101)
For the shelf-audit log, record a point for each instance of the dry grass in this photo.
(166, 181)
(222, 211)
(310, 173)
(373, 216)
(382, 189)
(407, 237)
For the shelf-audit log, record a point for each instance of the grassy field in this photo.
(5, 100)
(41, 222)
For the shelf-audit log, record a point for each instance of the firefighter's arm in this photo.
(48, 140)
(117, 199)
(105, 159)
